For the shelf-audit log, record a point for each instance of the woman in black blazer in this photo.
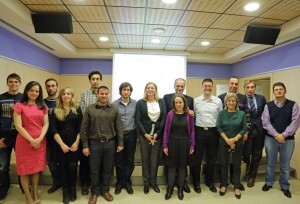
(150, 119)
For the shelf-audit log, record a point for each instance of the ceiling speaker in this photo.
(52, 23)
(258, 34)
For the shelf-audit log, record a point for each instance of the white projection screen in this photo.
(139, 69)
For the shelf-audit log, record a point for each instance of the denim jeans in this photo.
(125, 160)
(285, 151)
(102, 156)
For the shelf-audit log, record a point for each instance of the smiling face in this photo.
(207, 88)
(178, 104)
(150, 90)
(33, 93)
(179, 86)
(233, 85)
(126, 92)
(13, 85)
(231, 103)
(66, 96)
(103, 95)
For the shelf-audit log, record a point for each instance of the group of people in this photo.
(99, 134)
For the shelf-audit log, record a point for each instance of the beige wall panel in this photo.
(194, 86)
(81, 82)
(27, 73)
(3, 74)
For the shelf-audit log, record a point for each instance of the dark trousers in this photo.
(102, 156)
(252, 154)
(176, 172)
(236, 163)
(125, 160)
(68, 171)
(150, 155)
(206, 141)
(52, 162)
(5, 154)
(84, 168)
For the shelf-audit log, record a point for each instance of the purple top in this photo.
(191, 130)
(290, 130)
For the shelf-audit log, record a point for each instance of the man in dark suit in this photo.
(255, 143)
(179, 86)
(233, 85)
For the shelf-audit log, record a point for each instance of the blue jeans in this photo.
(285, 151)
(125, 160)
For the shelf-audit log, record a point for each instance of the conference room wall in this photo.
(26, 72)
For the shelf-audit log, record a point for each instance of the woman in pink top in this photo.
(31, 121)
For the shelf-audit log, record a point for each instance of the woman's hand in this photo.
(166, 151)
(191, 151)
(74, 146)
(35, 143)
(65, 148)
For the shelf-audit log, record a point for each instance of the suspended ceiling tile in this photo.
(149, 30)
(181, 31)
(198, 19)
(48, 8)
(41, 2)
(125, 28)
(126, 15)
(198, 42)
(135, 39)
(85, 45)
(130, 46)
(237, 36)
(163, 16)
(107, 45)
(77, 37)
(216, 34)
(126, 3)
(95, 38)
(182, 4)
(218, 6)
(180, 41)
(89, 13)
(163, 40)
(84, 2)
(228, 44)
(104, 28)
(153, 46)
(231, 22)
(285, 10)
(176, 47)
(77, 28)
(219, 50)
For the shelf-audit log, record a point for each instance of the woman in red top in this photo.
(31, 121)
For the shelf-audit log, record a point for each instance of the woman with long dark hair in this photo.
(31, 121)
(66, 124)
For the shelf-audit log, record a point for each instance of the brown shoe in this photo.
(93, 199)
(108, 196)
(84, 190)
(251, 183)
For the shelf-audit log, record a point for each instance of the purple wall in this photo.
(283, 57)
(85, 66)
(16, 48)
(205, 70)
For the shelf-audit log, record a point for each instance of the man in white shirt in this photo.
(206, 108)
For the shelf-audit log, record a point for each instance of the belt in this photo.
(103, 140)
(129, 131)
(208, 128)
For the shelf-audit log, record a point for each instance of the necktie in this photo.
(252, 105)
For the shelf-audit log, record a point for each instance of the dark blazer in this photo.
(255, 117)
(168, 100)
(143, 121)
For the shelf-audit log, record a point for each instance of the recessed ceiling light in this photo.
(155, 41)
(103, 39)
(251, 6)
(158, 30)
(205, 43)
(169, 1)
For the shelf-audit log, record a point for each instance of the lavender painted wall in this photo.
(85, 66)
(16, 48)
(205, 70)
(283, 57)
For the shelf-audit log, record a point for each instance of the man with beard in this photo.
(51, 88)
(8, 132)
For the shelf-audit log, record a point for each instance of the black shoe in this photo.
(266, 187)
(238, 196)
(251, 182)
(287, 193)
(66, 196)
(118, 189)
(241, 187)
(129, 189)
(186, 188)
(155, 188)
(212, 188)
(73, 194)
(197, 188)
(53, 189)
(169, 193)
(180, 193)
(146, 189)
(85, 190)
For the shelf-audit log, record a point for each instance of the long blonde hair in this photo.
(155, 95)
(59, 111)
